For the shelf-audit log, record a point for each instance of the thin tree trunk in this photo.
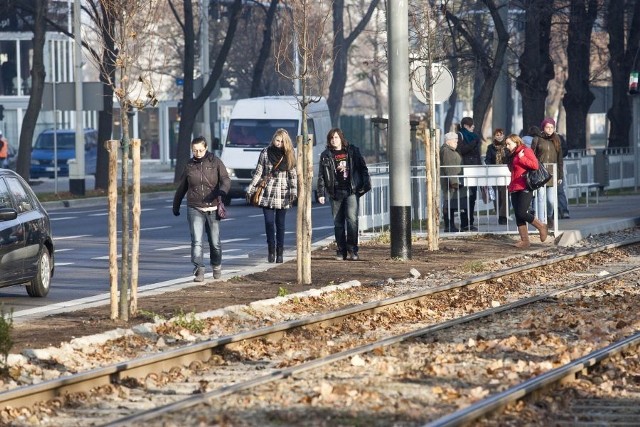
(578, 98)
(125, 272)
(135, 225)
(112, 147)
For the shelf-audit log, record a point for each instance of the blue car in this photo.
(42, 155)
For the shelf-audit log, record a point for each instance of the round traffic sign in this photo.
(442, 87)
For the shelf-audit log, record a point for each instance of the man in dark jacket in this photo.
(469, 148)
(205, 181)
(344, 177)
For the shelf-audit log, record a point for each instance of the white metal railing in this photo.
(374, 206)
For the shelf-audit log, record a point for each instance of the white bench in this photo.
(586, 188)
(572, 177)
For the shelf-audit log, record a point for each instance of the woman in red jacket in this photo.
(522, 160)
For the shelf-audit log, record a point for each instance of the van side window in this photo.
(23, 201)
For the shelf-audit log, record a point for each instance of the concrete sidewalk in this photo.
(151, 172)
(612, 213)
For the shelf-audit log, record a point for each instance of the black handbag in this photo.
(536, 178)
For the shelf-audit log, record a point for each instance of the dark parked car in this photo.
(26, 243)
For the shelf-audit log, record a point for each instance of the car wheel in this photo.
(39, 286)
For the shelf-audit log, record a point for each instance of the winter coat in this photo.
(450, 162)
(469, 147)
(202, 180)
(360, 182)
(548, 149)
(494, 150)
(519, 166)
(282, 186)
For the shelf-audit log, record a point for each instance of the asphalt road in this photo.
(81, 249)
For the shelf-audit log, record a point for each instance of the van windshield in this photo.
(257, 133)
(65, 141)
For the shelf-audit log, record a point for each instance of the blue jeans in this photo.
(547, 198)
(563, 203)
(345, 210)
(199, 223)
(274, 226)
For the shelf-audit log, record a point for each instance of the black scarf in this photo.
(275, 154)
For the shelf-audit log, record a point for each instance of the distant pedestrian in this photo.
(278, 163)
(469, 145)
(4, 151)
(498, 154)
(205, 182)
(522, 159)
(532, 132)
(344, 178)
(548, 149)
(563, 203)
(450, 167)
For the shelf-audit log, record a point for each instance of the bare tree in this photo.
(308, 22)
(104, 20)
(38, 74)
(127, 48)
(192, 102)
(490, 59)
(257, 88)
(341, 45)
(536, 68)
(623, 26)
(578, 98)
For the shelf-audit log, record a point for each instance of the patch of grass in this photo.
(189, 321)
(283, 292)
(473, 266)
(154, 317)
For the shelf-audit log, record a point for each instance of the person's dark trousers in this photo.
(521, 201)
(345, 222)
(467, 218)
(274, 226)
(449, 221)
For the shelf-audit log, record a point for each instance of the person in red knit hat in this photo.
(548, 149)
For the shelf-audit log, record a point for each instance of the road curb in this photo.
(571, 237)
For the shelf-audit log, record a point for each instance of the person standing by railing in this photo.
(548, 149)
(522, 159)
(497, 154)
(469, 148)
(450, 166)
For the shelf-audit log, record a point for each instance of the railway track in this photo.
(262, 356)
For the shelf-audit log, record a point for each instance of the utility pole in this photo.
(76, 175)
(204, 67)
(399, 130)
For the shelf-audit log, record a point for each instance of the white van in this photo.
(252, 125)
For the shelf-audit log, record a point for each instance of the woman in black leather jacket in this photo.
(343, 177)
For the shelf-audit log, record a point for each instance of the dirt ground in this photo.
(375, 265)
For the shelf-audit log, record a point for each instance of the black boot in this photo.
(445, 218)
(272, 253)
(279, 250)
